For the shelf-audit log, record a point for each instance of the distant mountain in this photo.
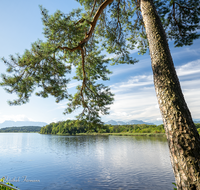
(121, 123)
(21, 123)
(196, 121)
(139, 122)
(112, 122)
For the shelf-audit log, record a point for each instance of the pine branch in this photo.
(176, 20)
(92, 27)
(93, 8)
(84, 77)
(184, 7)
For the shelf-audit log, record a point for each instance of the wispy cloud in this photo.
(113, 55)
(192, 96)
(62, 105)
(136, 105)
(73, 84)
(136, 97)
(14, 118)
(127, 68)
(186, 52)
(134, 82)
(190, 68)
(55, 120)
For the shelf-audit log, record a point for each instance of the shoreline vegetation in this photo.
(71, 127)
(23, 129)
(113, 134)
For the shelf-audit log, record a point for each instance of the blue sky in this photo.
(132, 85)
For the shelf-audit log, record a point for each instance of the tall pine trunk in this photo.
(183, 138)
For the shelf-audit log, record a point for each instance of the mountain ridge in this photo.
(131, 122)
(10, 123)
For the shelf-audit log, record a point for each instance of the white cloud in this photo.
(189, 68)
(186, 52)
(192, 84)
(136, 97)
(55, 120)
(134, 82)
(192, 97)
(60, 105)
(73, 84)
(135, 105)
(14, 118)
(120, 69)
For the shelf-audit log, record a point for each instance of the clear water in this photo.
(33, 161)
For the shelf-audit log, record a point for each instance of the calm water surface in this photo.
(42, 162)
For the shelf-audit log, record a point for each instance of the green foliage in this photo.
(3, 187)
(24, 129)
(198, 130)
(174, 188)
(73, 127)
(197, 125)
(123, 21)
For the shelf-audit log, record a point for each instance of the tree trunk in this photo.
(183, 138)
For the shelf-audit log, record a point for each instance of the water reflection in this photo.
(87, 162)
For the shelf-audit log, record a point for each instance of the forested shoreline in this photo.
(70, 127)
(23, 129)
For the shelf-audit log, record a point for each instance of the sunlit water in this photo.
(33, 161)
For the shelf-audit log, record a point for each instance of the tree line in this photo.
(72, 127)
(23, 129)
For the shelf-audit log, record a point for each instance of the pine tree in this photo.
(74, 40)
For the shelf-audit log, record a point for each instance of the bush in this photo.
(198, 130)
(3, 187)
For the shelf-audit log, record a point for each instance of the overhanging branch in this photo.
(91, 30)
(184, 7)
(81, 47)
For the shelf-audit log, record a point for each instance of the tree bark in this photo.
(183, 138)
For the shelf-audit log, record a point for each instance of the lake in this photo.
(34, 161)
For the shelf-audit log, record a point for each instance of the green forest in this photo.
(71, 127)
(23, 129)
